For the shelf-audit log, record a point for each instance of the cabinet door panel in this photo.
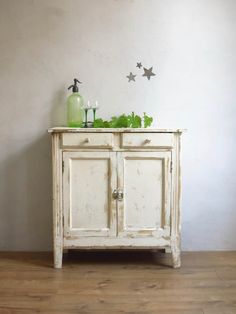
(145, 180)
(88, 181)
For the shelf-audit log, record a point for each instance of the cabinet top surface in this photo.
(111, 130)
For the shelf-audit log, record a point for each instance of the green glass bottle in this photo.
(75, 111)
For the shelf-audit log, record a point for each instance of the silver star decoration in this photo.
(131, 77)
(148, 73)
(139, 65)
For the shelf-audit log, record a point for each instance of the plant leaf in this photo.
(98, 123)
(147, 120)
(135, 121)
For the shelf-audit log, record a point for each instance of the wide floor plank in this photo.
(139, 282)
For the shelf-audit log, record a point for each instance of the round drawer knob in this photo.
(147, 141)
(87, 140)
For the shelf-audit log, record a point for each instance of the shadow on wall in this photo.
(26, 186)
(26, 200)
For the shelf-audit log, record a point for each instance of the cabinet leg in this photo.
(58, 254)
(175, 249)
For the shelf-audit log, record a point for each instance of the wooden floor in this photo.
(118, 282)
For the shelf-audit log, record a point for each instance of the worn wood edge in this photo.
(112, 130)
(117, 247)
(176, 206)
(126, 243)
(57, 201)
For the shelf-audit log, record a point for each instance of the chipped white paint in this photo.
(112, 130)
(147, 140)
(88, 179)
(57, 201)
(115, 242)
(145, 178)
(91, 180)
(84, 140)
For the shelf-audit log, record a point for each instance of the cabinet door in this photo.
(145, 179)
(88, 181)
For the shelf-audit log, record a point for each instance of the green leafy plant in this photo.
(100, 123)
(147, 120)
(125, 121)
(135, 121)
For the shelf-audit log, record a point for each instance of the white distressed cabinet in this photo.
(116, 188)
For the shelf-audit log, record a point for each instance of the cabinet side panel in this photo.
(176, 200)
(57, 200)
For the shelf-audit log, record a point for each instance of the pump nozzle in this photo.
(74, 86)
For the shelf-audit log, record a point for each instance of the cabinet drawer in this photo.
(87, 140)
(147, 140)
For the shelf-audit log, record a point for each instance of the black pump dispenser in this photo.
(74, 86)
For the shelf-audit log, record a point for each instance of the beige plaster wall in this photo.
(191, 44)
